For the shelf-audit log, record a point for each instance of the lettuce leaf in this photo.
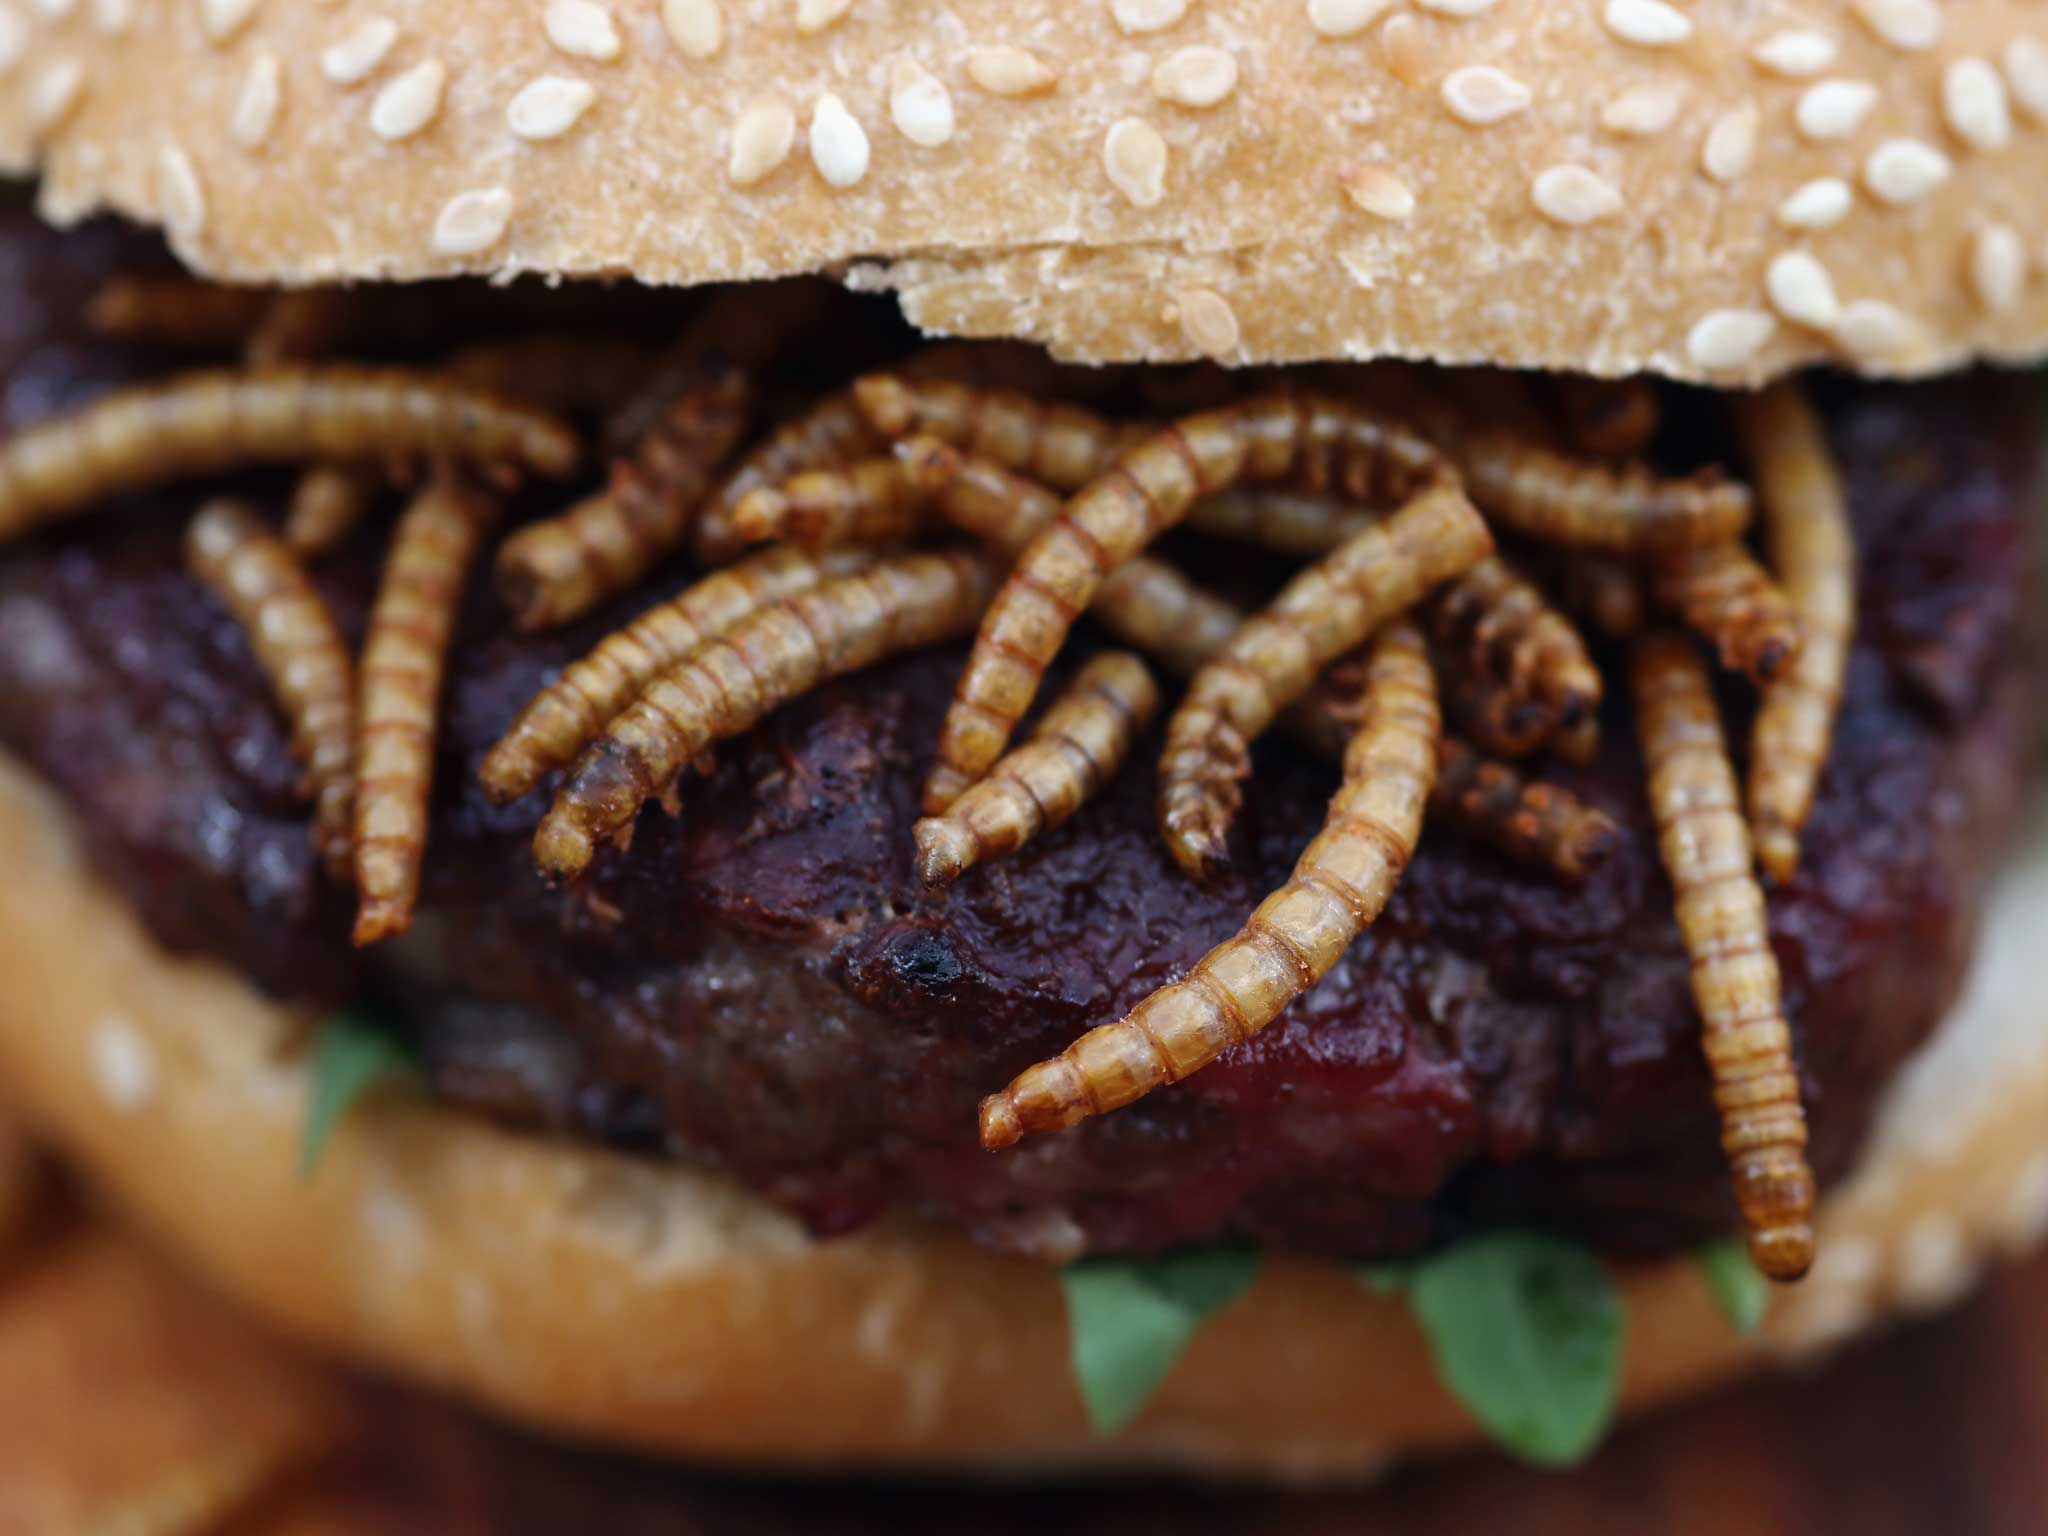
(1742, 1293)
(351, 1055)
(1128, 1320)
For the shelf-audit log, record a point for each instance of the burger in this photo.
(1237, 736)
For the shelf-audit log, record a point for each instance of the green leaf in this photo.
(1129, 1319)
(351, 1055)
(1388, 1277)
(1742, 1293)
(1527, 1334)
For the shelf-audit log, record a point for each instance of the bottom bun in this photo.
(642, 1304)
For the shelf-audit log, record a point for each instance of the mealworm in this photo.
(1339, 886)
(560, 371)
(405, 655)
(562, 567)
(1607, 418)
(1535, 822)
(563, 718)
(300, 650)
(1502, 722)
(1806, 529)
(1058, 445)
(1723, 593)
(870, 501)
(209, 421)
(298, 325)
(1578, 743)
(1076, 749)
(172, 309)
(327, 504)
(1288, 522)
(1294, 437)
(1705, 846)
(1604, 590)
(763, 661)
(832, 432)
(1621, 509)
(1509, 634)
(1274, 656)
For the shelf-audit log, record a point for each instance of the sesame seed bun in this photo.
(645, 1304)
(1721, 191)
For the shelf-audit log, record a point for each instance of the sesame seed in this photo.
(410, 101)
(1647, 23)
(179, 197)
(920, 105)
(1207, 321)
(582, 29)
(1817, 204)
(1874, 331)
(549, 107)
(1998, 266)
(1834, 109)
(1934, 1264)
(813, 16)
(1730, 144)
(351, 59)
(839, 145)
(1375, 191)
(2026, 71)
(1904, 170)
(1727, 338)
(1802, 291)
(1795, 54)
(1345, 18)
(113, 17)
(13, 38)
(1006, 71)
(1199, 76)
(1571, 194)
(1134, 157)
(1973, 101)
(1480, 94)
(55, 93)
(222, 19)
(1138, 17)
(696, 27)
(1407, 51)
(1912, 25)
(257, 103)
(1460, 8)
(762, 137)
(1645, 110)
(123, 1065)
(472, 221)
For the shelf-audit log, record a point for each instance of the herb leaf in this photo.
(350, 1055)
(1742, 1293)
(1385, 1277)
(1128, 1321)
(1527, 1334)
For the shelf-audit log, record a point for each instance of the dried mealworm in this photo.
(561, 371)
(1604, 590)
(1581, 504)
(210, 421)
(1508, 633)
(724, 687)
(568, 714)
(1806, 529)
(1278, 437)
(1705, 845)
(870, 501)
(1339, 886)
(1076, 749)
(832, 432)
(1270, 662)
(1535, 822)
(405, 655)
(560, 568)
(1502, 722)
(1722, 592)
(1061, 446)
(1578, 743)
(327, 504)
(174, 310)
(299, 649)
(1290, 522)
(299, 325)
(1608, 418)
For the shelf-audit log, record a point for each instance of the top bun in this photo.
(1719, 190)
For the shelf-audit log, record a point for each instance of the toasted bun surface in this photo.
(1721, 190)
(644, 1304)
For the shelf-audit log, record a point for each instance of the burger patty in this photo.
(762, 985)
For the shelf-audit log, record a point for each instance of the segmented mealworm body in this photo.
(1339, 886)
(1806, 529)
(553, 571)
(1075, 750)
(567, 715)
(298, 325)
(174, 310)
(1604, 590)
(1608, 418)
(327, 504)
(1580, 504)
(561, 371)
(405, 655)
(210, 421)
(1500, 721)
(1705, 845)
(1289, 522)
(1509, 634)
(1535, 822)
(1061, 446)
(763, 661)
(1299, 438)
(832, 432)
(299, 649)
(1272, 659)
(871, 501)
(1723, 593)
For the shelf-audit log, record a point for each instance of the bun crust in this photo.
(647, 1305)
(1717, 191)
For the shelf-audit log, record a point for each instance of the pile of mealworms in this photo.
(923, 504)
